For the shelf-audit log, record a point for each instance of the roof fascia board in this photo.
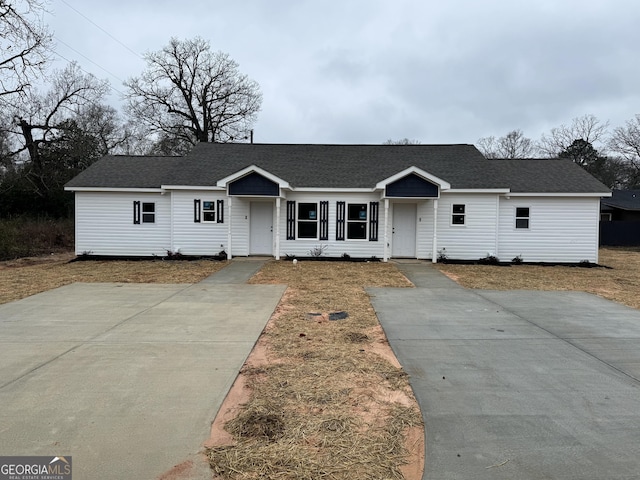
(558, 194)
(479, 190)
(250, 169)
(114, 189)
(192, 187)
(442, 184)
(617, 207)
(332, 190)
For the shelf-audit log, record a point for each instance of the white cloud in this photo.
(364, 71)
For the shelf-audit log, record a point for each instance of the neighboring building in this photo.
(383, 201)
(620, 218)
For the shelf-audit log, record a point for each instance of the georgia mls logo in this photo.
(35, 468)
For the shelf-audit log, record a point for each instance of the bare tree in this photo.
(40, 118)
(105, 125)
(625, 141)
(23, 45)
(404, 141)
(587, 128)
(488, 146)
(513, 145)
(190, 93)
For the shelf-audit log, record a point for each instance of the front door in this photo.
(403, 242)
(261, 228)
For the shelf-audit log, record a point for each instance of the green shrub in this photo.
(26, 237)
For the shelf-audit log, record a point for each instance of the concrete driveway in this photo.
(126, 378)
(518, 385)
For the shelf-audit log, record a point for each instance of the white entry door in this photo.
(403, 242)
(261, 228)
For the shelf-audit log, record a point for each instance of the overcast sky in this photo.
(364, 71)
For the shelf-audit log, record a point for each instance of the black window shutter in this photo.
(196, 211)
(136, 212)
(220, 212)
(324, 220)
(291, 220)
(373, 221)
(340, 207)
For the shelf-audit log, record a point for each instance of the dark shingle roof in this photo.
(623, 199)
(547, 176)
(121, 171)
(338, 166)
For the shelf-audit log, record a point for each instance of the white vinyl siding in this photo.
(424, 241)
(301, 247)
(104, 224)
(240, 212)
(561, 229)
(203, 238)
(476, 238)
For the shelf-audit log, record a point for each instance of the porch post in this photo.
(229, 234)
(434, 253)
(386, 230)
(278, 228)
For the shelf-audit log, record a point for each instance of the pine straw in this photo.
(321, 407)
(28, 276)
(619, 282)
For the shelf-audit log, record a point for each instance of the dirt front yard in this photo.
(28, 276)
(322, 394)
(618, 279)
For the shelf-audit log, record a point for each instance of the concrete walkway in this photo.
(126, 378)
(522, 384)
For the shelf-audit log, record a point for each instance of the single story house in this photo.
(383, 201)
(621, 206)
(620, 218)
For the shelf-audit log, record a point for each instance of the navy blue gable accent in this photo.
(412, 186)
(254, 184)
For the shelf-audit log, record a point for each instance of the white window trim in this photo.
(347, 221)
(143, 213)
(214, 211)
(516, 218)
(464, 216)
(316, 221)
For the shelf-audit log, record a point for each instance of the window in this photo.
(307, 220)
(148, 212)
(458, 214)
(522, 217)
(357, 221)
(605, 217)
(209, 211)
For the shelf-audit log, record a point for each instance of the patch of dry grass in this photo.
(28, 276)
(324, 404)
(620, 282)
